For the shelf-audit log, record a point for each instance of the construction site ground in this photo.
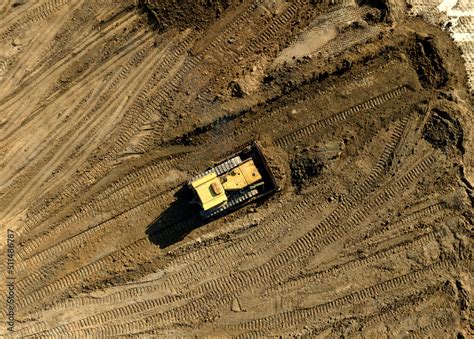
(362, 109)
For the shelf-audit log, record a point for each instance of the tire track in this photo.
(226, 286)
(4, 65)
(178, 228)
(310, 278)
(400, 227)
(130, 124)
(12, 16)
(36, 327)
(186, 304)
(306, 131)
(398, 308)
(356, 80)
(134, 292)
(221, 291)
(40, 74)
(141, 38)
(338, 14)
(297, 210)
(348, 40)
(27, 57)
(30, 170)
(166, 93)
(89, 326)
(437, 325)
(45, 256)
(292, 318)
(186, 223)
(91, 42)
(267, 33)
(36, 282)
(212, 262)
(234, 134)
(101, 71)
(15, 91)
(251, 335)
(384, 313)
(272, 30)
(35, 15)
(89, 117)
(219, 43)
(114, 193)
(371, 205)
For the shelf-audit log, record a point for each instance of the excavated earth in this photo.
(107, 108)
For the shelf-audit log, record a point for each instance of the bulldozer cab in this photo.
(209, 191)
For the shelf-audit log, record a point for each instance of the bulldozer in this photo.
(233, 183)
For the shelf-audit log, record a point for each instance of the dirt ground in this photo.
(107, 108)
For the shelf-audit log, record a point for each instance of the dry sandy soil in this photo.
(108, 107)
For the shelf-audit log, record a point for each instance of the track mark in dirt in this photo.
(367, 133)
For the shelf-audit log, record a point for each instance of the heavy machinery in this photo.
(240, 179)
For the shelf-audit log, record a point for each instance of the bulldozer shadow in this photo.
(175, 222)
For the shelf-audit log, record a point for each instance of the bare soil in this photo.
(109, 107)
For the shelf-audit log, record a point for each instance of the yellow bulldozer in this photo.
(233, 183)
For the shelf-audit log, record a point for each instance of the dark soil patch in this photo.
(185, 14)
(304, 167)
(443, 131)
(428, 63)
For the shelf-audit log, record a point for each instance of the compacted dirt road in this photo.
(107, 108)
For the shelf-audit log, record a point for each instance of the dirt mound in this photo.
(443, 131)
(428, 62)
(304, 167)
